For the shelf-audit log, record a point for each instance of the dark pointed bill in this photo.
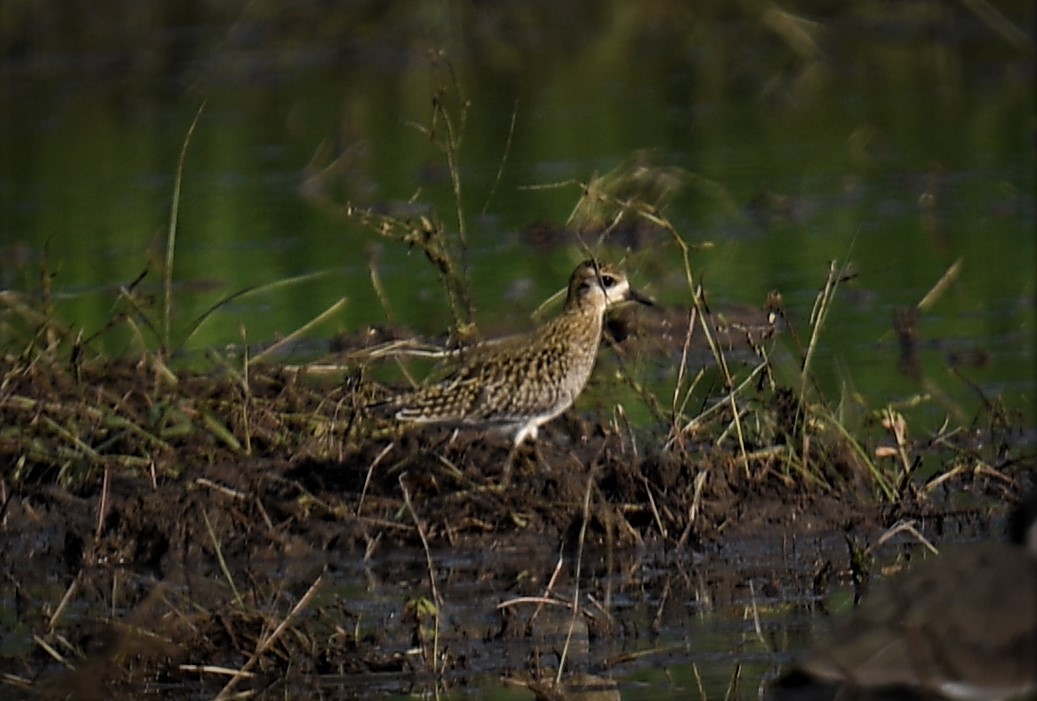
(640, 298)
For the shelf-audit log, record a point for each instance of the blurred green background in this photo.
(896, 138)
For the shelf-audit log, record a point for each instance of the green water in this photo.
(893, 139)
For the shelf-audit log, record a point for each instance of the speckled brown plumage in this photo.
(521, 382)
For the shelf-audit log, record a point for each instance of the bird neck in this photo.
(585, 308)
(587, 318)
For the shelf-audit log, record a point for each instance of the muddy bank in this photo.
(147, 546)
(261, 568)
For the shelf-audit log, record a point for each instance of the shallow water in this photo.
(727, 617)
(720, 619)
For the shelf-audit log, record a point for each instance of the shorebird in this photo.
(518, 383)
(961, 626)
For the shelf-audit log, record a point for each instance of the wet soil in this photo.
(166, 531)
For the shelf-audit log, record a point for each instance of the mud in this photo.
(320, 555)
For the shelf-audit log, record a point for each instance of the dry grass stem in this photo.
(433, 662)
(576, 576)
(73, 588)
(267, 642)
(224, 567)
(902, 526)
(301, 331)
(370, 470)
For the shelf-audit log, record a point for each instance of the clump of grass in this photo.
(69, 427)
(776, 425)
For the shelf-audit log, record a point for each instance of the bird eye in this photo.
(608, 280)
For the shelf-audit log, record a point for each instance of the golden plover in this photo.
(518, 383)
